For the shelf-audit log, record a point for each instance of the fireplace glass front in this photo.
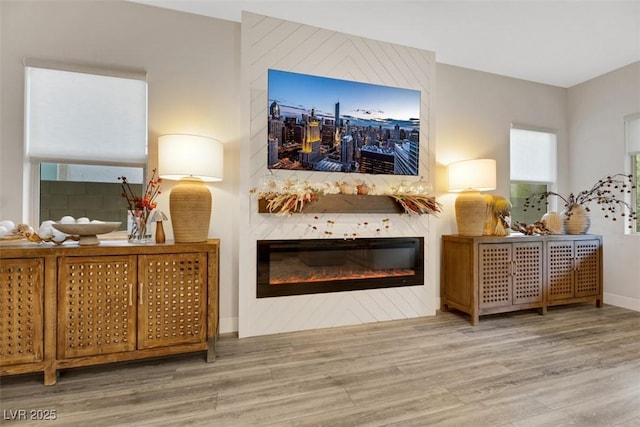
(309, 266)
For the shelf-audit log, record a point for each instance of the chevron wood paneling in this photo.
(270, 43)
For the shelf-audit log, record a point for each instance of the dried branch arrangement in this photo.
(608, 193)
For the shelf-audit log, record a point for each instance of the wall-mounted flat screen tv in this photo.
(332, 125)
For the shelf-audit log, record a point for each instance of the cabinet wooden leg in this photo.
(211, 350)
(50, 377)
(475, 318)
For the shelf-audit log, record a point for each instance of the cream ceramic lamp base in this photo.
(471, 213)
(190, 205)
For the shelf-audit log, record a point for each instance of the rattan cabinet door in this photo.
(587, 267)
(21, 321)
(528, 272)
(172, 299)
(96, 305)
(560, 269)
(494, 275)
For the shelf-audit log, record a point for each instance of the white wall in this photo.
(474, 112)
(596, 110)
(193, 65)
(271, 43)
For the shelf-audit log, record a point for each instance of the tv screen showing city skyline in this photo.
(333, 125)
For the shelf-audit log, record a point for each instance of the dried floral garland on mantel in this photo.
(417, 203)
(293, 195)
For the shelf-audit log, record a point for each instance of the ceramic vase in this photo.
(576, 220)
(554, 222)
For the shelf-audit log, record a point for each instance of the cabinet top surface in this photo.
(12, 249)
(521, 238)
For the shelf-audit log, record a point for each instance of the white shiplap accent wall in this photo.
(277, 44)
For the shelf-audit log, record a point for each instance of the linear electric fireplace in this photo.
(310, 266)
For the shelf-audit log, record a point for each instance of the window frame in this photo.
(32, 164)
(631, 166)
(553, 204)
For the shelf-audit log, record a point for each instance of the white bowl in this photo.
(87, 231)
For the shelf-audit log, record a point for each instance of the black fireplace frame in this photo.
(266, 247)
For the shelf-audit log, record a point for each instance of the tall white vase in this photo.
(578, 221)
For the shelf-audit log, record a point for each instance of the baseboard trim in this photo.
(621, 301)
(228, 325)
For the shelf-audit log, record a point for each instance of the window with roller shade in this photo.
(533, 165)
(83, 129)
(632, 146)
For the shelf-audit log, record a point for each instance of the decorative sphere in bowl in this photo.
(87, 231)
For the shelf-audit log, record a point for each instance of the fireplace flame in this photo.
(326, 276)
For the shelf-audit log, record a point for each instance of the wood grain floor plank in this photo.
(577, 365)
(380, 413)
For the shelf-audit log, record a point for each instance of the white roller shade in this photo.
(532, 156)
(632, 128)
(72, 116)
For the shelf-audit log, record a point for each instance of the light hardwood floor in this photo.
(577, 365)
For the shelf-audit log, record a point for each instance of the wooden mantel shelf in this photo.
(346, 203)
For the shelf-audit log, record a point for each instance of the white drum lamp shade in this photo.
(470, 177)
(192, 160)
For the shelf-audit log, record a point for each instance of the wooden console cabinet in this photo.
(486, 275)
(68, 306)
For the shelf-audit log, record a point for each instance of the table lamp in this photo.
(470, 177)
(191, 160)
